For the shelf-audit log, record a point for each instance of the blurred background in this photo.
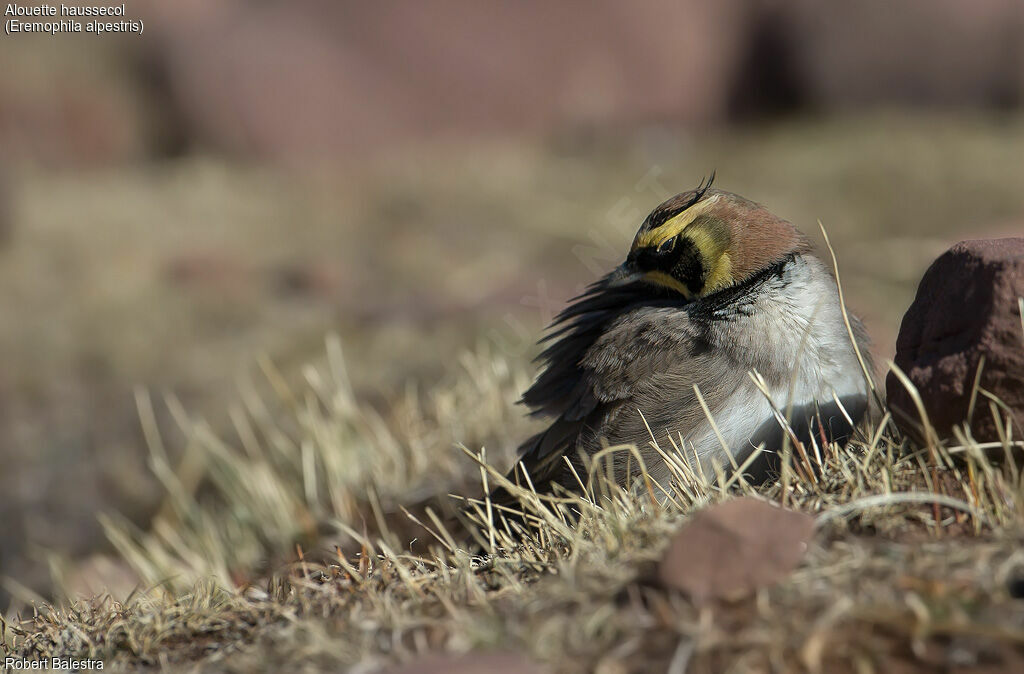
(420, 178)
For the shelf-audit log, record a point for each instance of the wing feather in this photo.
(603, 349)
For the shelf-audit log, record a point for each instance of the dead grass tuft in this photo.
(910, 567)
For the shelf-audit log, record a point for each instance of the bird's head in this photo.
(705, 240)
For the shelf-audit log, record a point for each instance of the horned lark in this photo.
(714, 288)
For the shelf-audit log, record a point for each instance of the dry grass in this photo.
(174, 275)
(916, 546)
(915, 563)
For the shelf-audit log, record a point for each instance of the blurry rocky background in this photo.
(421, 178)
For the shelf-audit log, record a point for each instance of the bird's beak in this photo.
(624, 274)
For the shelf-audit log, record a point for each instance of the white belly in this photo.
(749, 420)
(797, 339)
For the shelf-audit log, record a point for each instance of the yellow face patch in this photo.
(720, 276)
(710, 242)
(653, 238)
(662, 279)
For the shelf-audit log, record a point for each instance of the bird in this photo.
(716, 293)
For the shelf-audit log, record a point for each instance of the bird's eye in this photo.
(666, 246)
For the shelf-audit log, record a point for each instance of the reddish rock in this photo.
(335, 80)
(329, 79)
(211, 270)
(733, 548)
(312, 77)
(966, 307)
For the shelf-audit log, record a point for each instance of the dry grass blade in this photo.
(929, 433)
(846, 320)
(886, 500)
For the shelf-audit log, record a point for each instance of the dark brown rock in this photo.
(731, 549)
(966, 307)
